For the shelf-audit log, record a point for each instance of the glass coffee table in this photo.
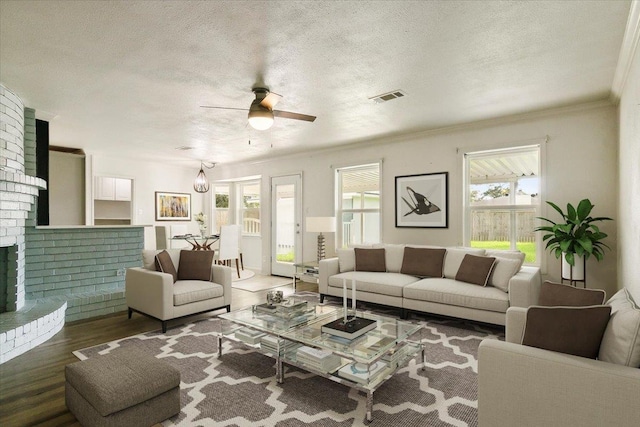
(295, 337)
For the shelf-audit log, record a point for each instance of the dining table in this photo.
(198, 243)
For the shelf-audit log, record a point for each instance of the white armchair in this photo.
(524, 386)
(155, 294)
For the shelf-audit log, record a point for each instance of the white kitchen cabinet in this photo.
(112, 201)
(123, 189)
(109, 188)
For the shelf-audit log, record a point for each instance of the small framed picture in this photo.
(173, 206)
(422, 201)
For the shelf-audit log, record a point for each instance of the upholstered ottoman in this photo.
(124, 388)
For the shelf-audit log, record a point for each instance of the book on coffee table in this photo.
(351, 329)
(360, 372)
(249, 336)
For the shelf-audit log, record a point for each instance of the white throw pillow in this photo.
(149, 259)
(393, 256)
(454, 257)
(507, 254)
(621, 341)
(503, 270)
(346, 259)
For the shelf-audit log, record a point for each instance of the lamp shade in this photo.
(321, 224)
(260, 118)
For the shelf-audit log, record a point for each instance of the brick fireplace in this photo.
(22, 325)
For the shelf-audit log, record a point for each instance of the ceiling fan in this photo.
(261, 112)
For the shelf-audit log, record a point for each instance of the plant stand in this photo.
(570, 279)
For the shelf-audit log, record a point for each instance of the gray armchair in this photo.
(155, 294)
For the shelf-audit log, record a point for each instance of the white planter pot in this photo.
(578, 269)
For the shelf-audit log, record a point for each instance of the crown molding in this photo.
(405, 136)
(627, 51)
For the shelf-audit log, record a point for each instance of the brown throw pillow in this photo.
(370, 260)
(570, 330)
(423, 262)
(553, 294)
(164, 264)
(195, 265)
(475, 269)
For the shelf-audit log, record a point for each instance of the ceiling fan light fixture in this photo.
(260, 118)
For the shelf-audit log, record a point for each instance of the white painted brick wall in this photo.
(18, 193)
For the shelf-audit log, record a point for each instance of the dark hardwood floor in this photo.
(32, 384)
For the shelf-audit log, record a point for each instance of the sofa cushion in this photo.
(475, 269)
(423, 262)
(621, 340)
(393, 256)
(188, 291)
(195, 265)
(346, 259)
(165, 265)
(374, 282)
(503, 270)
(149, 257)
(509, 254)
(571, 330)
(453, 292)
(454, 257)
(370, 260)
(554, 294)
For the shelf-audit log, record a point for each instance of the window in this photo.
(221, 206)
(502, 200)
(358, 200)
(249, 206)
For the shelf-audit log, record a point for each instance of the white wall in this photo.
(629, 181)
(581, 162)
(66, 189)
(149, 177)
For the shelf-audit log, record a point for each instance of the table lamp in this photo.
(321, 224)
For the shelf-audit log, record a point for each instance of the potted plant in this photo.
(575, 239)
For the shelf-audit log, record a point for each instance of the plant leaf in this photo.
(571, 212)
(554, 206)
(584, 209)
(570, 259)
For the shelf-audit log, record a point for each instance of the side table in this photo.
(305, 270)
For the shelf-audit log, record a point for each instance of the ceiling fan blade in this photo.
(270, 100)
(224, 108)
(295, 116)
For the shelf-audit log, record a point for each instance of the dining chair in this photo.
(240, 247)
(161, 237)
(229, 248)
(178, 230)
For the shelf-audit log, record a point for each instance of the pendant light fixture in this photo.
(201, 183)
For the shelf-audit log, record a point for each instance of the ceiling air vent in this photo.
(379, 99)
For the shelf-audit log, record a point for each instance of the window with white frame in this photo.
(358, 205)
(249, 206)
(502, 200)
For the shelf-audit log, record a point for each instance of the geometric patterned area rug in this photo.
(240, 388)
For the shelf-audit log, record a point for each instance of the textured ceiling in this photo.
(130, 77)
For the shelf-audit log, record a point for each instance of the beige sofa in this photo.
(155, 294)
(444, 295)
(526, 386)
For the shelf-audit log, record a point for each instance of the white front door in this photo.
(286, 224)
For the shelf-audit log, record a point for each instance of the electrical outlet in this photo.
(120, 272)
